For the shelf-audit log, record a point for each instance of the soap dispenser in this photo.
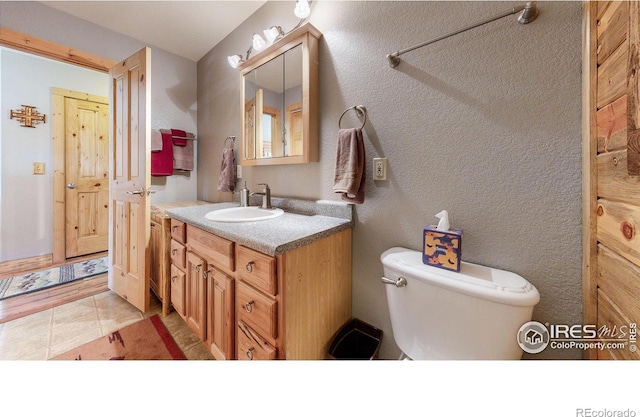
(244, 196)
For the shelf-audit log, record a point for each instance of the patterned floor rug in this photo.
(34, 281)
(148, 339)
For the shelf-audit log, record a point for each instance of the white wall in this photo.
(485, 125)
(173, 105)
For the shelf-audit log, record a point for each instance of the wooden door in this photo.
(295, 129)
(221, 314)
(87, 166)
(196, 297)
(612, 174)
(129, 172)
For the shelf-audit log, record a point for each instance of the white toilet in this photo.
(438, 314)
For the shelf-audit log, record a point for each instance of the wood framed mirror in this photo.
(279, 97)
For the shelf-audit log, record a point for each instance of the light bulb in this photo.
(302, 9)
(234, 60)
(273, 34)
(258, 43)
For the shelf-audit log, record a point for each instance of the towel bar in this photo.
(360, 110)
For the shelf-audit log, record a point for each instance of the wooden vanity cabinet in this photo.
(160, 250)
(196, 295)
(249, 305)
(290, 306)
(221, 314)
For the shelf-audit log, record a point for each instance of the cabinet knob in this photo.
(250, 353)
(173, 278)
(250, 266)
(249, 306)
(174, 252)
(174, 228)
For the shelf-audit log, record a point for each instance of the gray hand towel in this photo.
(227, 178)
(350, 170)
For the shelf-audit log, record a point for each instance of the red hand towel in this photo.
(181, 134)
(162, 161)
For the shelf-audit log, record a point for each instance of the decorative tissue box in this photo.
(442, 249)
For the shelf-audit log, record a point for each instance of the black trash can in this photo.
(356, 340)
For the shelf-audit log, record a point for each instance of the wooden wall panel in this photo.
(612, 126)
(633, 91)
(619, 278)
(612, 29)
(612, 76)
(613, 181)
(610, 316)
(616, 228)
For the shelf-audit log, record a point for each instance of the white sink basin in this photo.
(243, 214)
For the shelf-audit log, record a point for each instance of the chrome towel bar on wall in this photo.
(528, 14)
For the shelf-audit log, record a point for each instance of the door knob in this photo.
(71, 186)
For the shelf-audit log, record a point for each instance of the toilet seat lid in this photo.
(476, 280)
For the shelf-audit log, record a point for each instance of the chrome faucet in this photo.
(266, 196)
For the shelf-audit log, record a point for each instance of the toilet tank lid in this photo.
(476, 280)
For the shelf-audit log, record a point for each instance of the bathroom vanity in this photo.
(271, 289)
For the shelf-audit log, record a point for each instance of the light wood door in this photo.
(87, 166)
(295, 129)
(612, 174)
(129, 172)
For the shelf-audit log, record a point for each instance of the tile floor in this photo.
(43, 335)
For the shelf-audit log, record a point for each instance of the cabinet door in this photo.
(178, 290)
(221, 314)
(156, 259)
(196, 299)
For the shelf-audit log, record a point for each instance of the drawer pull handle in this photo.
(250, 353)
(249, 306)
(173, 278)
(250, 266)
(174, 252)
(205, 274)
(174, 228)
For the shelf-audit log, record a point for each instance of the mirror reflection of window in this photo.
(266, 135)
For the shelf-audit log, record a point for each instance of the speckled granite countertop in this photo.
(302, 223)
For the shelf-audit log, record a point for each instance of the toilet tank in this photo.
(472, 314)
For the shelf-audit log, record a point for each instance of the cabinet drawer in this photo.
(178, 289)
(178, 254)
(215, 249)
(257, 310)
(251, 346)
(178, 231)
(258, 270)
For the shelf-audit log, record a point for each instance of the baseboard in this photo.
(22, 266)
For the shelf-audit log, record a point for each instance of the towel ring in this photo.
(360, 110)
(233, 141)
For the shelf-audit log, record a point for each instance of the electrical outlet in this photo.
(380, 169)
(238, 171)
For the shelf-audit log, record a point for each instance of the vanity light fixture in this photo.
(302, 9)
(234, 60)
(258, 42)
(273, 34)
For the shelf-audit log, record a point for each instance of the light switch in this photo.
(38, 168)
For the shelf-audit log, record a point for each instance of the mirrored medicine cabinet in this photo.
(279, 97)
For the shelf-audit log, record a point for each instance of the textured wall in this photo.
(485, 125)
